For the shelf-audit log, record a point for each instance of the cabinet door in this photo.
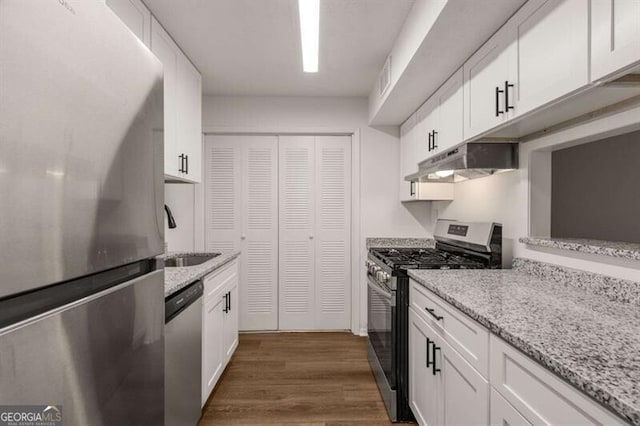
(189, 113)
(408, 164)
(135, 15)
(259, 237)
(296, 225)
(230, 321)
(167, 52)
(461, 386)
(212, 348)
(223, 194)
(449, 113)
(615, 36)
(332, 235)
(541, 396)
(503, 414)
(484, 76)
(427, 122)
(552, 51)
(423, 384)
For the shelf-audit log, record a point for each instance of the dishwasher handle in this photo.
(182, 299)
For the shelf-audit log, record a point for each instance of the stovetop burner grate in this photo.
(425, 258)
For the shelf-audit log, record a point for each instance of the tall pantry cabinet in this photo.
(285, 202)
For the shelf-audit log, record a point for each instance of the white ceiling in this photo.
(252, 47)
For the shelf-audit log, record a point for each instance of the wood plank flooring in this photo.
(297, 378)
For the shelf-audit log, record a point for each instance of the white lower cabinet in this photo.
(230, 320)
(446, 389)
(540, 396)
(443, 388)
(503, 414)
(423, 395)
(212, 349)
(219, 324)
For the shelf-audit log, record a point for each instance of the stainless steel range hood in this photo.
(470, 160)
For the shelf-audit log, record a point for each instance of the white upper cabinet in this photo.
(182, 109)
(135, 15)
(551, 53)
(485, 74)
(414, 147)
(167, 52)
(189, 116)
(615, 36)
(426, 124)
(449, 114)
(408, 164)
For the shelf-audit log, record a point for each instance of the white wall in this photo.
(505, 198)
(381, 212)
(180, 198)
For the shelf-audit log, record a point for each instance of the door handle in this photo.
(433, 314)
(181, 157)
(187, 161)
(429, 342)
(226, 303)
(498, 110)
(434, 349)
(429, 141)
(507, 107)
(229, 300)
(433, 140)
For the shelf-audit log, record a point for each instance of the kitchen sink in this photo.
(189, 260)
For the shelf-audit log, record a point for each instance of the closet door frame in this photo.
(358, 247)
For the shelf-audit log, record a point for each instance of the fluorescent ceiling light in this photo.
(309, 33)
(444, 173)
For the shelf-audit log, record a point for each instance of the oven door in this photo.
(381, 327)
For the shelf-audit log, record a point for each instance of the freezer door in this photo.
(100, 358)
(81, 173)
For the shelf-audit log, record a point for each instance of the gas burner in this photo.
(424, 258)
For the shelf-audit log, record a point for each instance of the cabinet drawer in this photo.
(465, 335)
(502, 413)
(539, 395)
(216, 282)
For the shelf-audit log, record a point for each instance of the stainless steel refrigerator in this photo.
(81, 220)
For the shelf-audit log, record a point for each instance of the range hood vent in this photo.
(470, 160)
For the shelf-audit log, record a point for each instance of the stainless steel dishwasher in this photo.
(183, 355)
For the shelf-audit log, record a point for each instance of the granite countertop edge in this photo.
(610, 401)
(177, 278)
(400, 242)
(619, 250)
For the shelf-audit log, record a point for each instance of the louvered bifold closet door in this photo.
(296, 218)
(259, 269)
(333, 232)
(222, 192)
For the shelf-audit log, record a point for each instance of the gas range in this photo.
(458, 245)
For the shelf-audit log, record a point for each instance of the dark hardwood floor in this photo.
(297, 378)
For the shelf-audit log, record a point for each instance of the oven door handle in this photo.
(378, 289)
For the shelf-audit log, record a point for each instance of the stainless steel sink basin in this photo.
(189, 260)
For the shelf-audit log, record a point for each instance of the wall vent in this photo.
(385, 76)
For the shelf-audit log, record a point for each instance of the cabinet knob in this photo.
(311, 236)
(243, 237)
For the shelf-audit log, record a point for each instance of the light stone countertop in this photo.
(588, 339)
(391, 242)
(176, 278)
(620, 250)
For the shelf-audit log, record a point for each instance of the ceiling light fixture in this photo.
(309, 33)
